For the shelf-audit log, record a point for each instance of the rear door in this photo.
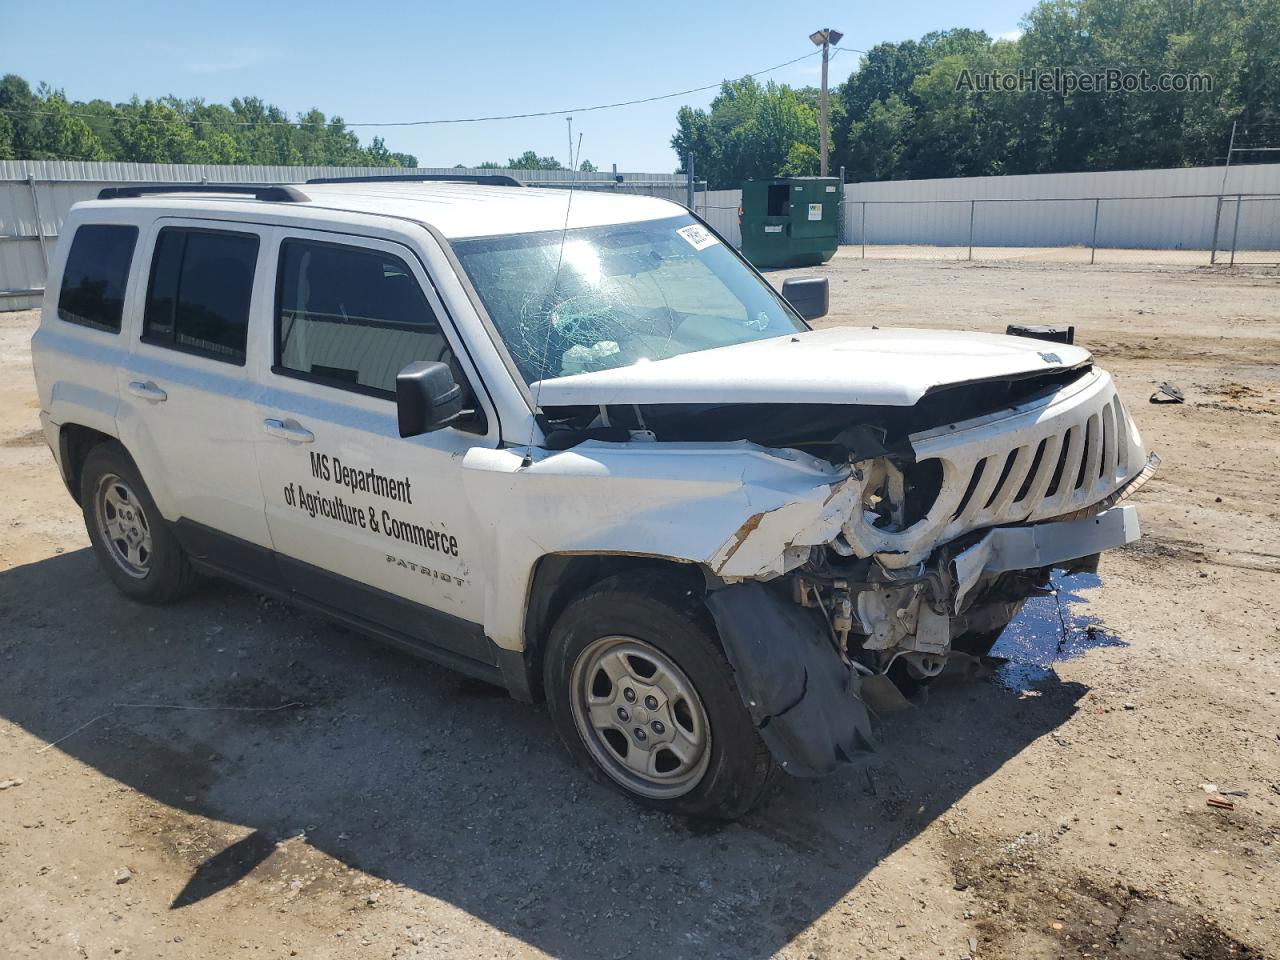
(186, 412)
(362, 520)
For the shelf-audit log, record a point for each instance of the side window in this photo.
(94, 279)
(198, 300)
(352, 317)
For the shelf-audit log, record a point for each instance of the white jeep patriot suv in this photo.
(573, 444)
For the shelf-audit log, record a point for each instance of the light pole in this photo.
(824, 38)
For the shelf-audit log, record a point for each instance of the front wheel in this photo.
(641, 692)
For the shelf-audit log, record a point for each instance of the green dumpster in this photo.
(790, 221)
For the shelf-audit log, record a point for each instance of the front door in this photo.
(362, 520)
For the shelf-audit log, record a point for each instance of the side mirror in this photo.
(811, 296)
(427, 398)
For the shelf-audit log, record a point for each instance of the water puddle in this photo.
(1049, 629)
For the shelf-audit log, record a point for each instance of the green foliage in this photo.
(802, 161)
(749, 133)
(529, 160)
(901, 115)
(45, 125)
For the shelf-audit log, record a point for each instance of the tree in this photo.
(587, 167)
(529, 160)
(904, 114)
(802, 161)
(6, 137)
(748, 133)
(59, 133)
(44, 124)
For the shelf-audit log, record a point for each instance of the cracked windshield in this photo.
(624, 294)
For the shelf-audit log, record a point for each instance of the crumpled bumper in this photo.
(808, 701)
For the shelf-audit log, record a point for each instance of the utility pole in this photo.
(824, 38)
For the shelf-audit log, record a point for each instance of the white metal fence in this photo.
(1179, 216)
(36, 195)
(1188, 216)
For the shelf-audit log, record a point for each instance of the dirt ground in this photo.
(287, 788)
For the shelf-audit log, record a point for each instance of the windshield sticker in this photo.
(815, 211)
(698, 236)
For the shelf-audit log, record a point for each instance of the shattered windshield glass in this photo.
(623, 294)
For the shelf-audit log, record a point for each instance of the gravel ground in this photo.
(287, 788)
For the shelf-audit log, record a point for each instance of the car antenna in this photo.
(527, 460)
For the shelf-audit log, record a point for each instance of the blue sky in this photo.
(381, 62)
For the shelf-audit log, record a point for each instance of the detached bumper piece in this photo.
(803, 697)
(1042, 545)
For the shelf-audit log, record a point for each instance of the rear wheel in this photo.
(134, 545)
(640, 691)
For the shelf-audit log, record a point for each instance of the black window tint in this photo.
(93, 280)
(352, 317)
(201, 281)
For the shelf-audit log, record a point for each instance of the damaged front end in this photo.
(922, 552)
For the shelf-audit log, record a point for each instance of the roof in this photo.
(457, 210)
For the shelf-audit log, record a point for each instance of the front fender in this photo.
(738, 509)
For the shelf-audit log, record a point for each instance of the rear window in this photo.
(93, 282)
(198, 300)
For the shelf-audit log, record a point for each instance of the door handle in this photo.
(147, 391)
(288, 430)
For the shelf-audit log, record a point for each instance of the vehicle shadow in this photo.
(410, 773)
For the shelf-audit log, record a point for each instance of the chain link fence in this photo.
(1181, 229)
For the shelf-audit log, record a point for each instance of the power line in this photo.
(419, 123)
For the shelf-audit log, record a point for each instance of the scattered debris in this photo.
(1168, 393)
(1235, 793)
(1220, 803)
(12, 782)
(1209, 787)
(123, 875)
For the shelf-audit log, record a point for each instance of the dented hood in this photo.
(842, 365)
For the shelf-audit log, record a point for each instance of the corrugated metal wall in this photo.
(52, 186)
(720, 209)
(1140, 209)
(1143, 209)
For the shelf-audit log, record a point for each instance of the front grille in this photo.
(1035, 461)
(1069, 468)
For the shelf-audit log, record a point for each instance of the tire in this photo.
(134, 544)
(701, 753)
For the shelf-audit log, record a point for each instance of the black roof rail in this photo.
(273, 193)
(485, 179)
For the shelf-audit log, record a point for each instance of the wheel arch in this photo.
(558, 579)
(74, 443)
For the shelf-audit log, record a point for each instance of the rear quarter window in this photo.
(97, 271)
